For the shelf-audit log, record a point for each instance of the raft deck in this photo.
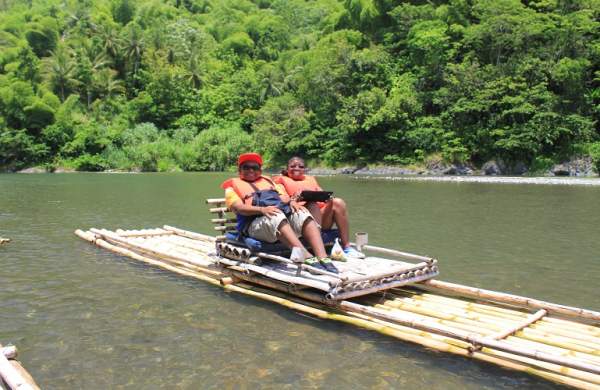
(556, 342)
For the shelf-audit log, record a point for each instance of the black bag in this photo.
(315, 196)
(264, 198)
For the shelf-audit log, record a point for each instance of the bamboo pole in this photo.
(403, 255)
(13, 374)
(424, 324)
(455, 323)
(591, 344)
(524, 333)
(432, 341)
(494, 309)
(189, 234)
(511, 299)
(146, 233)
(202, 274)
(486, 327)
(538, 326)
(390, 271)
(426, 339)
(9, 352)
(453, 311)
(223, 220)
(317, 284)
(568, 348)
(215, 201)
(380, 287)
(130, 253)
(336, 277)
(551, 349)
(147, 249)
(513, 329)
(190, 244)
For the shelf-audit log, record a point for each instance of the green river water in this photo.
(84, 318)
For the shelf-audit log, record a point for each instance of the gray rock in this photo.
(348, 170)
(32, 170)
(576, 166)
(491, 168)
(380, 171)
(519, 168)
(64, 170)
(451, 170)
(560, 170)
(438, 167)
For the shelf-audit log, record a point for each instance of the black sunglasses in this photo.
(254, 167)
(297, 166)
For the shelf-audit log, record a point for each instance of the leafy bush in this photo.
(595, 154)
(218, 147)
(90, 163)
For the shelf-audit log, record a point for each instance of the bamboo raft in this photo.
(555, 342)
(12, 374)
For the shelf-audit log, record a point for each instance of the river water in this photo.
(85, 318)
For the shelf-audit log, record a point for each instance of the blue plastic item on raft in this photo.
(255, 245)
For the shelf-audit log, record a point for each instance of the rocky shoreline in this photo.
(576, 167)
(577, 171)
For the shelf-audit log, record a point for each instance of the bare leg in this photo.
(288, 237)
(335, 211)
(312, 233)
(315, 211)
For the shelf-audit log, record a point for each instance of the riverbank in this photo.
(570, 181)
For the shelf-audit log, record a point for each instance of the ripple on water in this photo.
(85, 318)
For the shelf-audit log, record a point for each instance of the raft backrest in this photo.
(224, 220)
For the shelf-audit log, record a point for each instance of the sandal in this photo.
(328, 265)
(315, 263)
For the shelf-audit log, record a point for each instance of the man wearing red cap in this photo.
(265, 211)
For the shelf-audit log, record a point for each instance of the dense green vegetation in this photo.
(188, 84)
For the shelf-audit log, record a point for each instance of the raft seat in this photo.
(226, 224)
(356, 277)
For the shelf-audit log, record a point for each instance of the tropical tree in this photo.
(59, 70)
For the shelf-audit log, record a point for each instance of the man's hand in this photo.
(296, 207)
(270, 211)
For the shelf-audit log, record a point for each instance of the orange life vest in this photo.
(244, 190)
(293, 187)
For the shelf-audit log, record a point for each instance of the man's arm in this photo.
(241, 208)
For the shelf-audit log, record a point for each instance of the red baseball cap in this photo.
(254, 157)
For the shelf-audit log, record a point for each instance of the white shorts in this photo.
(266, 228)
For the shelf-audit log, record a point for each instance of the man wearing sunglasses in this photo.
(265, 212)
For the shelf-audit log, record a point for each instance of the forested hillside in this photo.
(188, 84)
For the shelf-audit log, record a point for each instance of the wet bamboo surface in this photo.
(558, 343)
